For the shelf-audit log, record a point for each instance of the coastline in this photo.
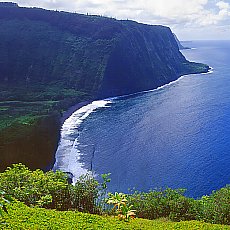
(79, 105)
(71, 110)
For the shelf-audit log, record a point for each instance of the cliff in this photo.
(145, 57)
(51, 60)
(180, 46)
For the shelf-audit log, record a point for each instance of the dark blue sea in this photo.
(176, 136)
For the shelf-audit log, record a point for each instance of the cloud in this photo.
(177, 14)
(223, 5)
(171, 12)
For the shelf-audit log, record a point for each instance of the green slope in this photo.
(23, 217)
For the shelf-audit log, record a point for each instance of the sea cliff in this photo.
(51, 60)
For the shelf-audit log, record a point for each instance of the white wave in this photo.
(68, 154)
(209, 71)
(158, 88)
(147, 91)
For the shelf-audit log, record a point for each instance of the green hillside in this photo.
(45, 200)
(51, 60)
(23, 217)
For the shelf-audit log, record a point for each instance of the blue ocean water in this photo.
(177, 136)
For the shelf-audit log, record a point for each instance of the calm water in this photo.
(177, 136)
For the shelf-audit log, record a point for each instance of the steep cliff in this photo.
(50, 60)
(88, 53)
(181, 47)
(145, 57)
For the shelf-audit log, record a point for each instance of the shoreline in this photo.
(71, 110)
(79, 105)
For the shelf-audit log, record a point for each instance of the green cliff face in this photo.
(51, 60)
(145, 57)
(92, 54)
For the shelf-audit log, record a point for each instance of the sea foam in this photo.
(68, 154)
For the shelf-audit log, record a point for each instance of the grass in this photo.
(18, 106)
(29, 122)
(22, 217)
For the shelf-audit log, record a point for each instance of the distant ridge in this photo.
(8, 4)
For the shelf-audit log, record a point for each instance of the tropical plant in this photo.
(120, 207)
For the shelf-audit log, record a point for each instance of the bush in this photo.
(50, 189)
(174, 205)
(35, 188)
(183, 208)
(216, 207)
(85, 193)
(164, 203)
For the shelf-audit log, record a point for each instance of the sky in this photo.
(188, 19)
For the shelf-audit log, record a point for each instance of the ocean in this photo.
(176, 136)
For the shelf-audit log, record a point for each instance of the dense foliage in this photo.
(23, 217)
(30, 123)
(214, 208)
(51, 190)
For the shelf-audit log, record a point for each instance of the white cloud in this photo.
(172, 12)
(177, 14)
(223, 5)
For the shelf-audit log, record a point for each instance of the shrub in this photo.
(35, 188)
(50, 189)
(216, 207)
(85, 193)
(183, 208)
(174, 205)
(164, 203)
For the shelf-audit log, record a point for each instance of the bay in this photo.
(177, 136)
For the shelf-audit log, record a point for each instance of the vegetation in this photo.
(170, 203)
(51, 190)
(4, 200)
(22, 217)
(121, 208)
(29, 123)
(52, 60)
